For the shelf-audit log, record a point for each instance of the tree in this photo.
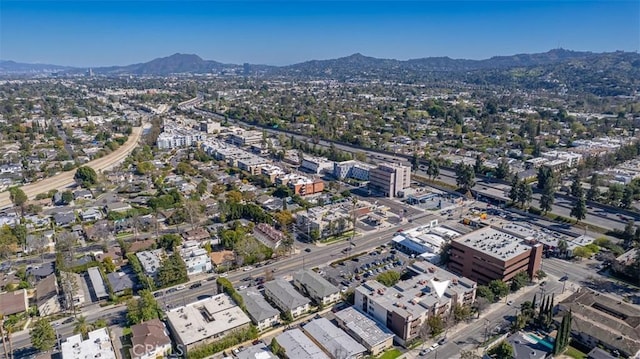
(582, 252)
(502, 170)
(86, 176)
(485, 292)
(388, 278)
(499, 288)
(277, 349)
(70, 287)
(629, 234)
(547, 198)
(544, 175)
(143, 309)
(503, 350)
(579, 210)
(564, 334)
(540, 274)
(81, 327)
(66, 197)
(436, 325)
(593, 194)
(109, 266)
(18, 198)
(563, 247)
(525, 193)
(513, 191)
(172, 271)
(468, 354)
(627, 197)
(193, 210)
(465, 176)
(478, 167)
(461, 312)
(43, 336)
(169, 241)
(433, 170)
(519, 281)
(576, 186)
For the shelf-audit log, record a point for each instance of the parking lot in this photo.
(353, 272)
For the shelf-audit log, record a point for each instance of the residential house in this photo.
(198, 234)
(315, 287)
(47, 296)
(97, 283)
(120, 282)
(91, 214)
(286, 298)
(64, 219)
(258, 351)
(82, 194)
(41, 272)
(117, 207)
(73, 290)
(149, 340)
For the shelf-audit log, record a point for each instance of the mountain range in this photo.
(190, 63)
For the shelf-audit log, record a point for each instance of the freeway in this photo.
(65, 179)
(598, 217)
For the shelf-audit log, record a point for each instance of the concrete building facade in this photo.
(390, 179)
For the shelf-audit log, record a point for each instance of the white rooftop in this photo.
(494, 242)
(97, 346)
(299, 346)
(206, 318)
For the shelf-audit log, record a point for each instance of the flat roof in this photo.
(258, 351)
(97, 283)
(494, 242)
(206, 318)
(299, 346)
(415, 296)
(97, 346)
(364, 327)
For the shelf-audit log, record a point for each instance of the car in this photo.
(307, 250)
(442, 341)
(434, 346)
(224, 275)
(180, 287)
(344, 289)
(510, 302)
(171, 290)
(68, 320)
(242, 287)
(195, 285)
(158, 294)
(247, 268)
(246, 279)
(424, 352)
(543, 284)
(564, 278)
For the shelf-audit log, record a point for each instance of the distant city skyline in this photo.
(105, 33)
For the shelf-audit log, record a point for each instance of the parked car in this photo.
(424, 352)
(195, 285)
(180, 287)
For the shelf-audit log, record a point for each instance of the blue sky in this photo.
(100, 33)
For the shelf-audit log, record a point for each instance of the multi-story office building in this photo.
(352, 169)
(491, 253)
(316, 164)
(390, 179)
(245, 138)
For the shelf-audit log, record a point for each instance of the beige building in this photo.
(390, 179)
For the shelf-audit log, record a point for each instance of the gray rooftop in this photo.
(119, 281)
(525, 347)
(333, 339)
(365, 328)
(415, 296)
(97, 283)
(259, 309)
(258, 351)
(286, 293)
(299, 346)
(495, 243)
(314, 281)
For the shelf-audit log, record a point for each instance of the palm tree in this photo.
(82, 327)
(9, 327)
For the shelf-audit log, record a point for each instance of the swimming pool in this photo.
(542, 341)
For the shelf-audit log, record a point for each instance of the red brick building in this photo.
(490, 253)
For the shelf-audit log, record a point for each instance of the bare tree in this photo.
(193, 210)
(70, 287)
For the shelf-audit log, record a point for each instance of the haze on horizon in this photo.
(105, 33)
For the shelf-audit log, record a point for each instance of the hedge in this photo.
(235, 338)
(225, 285)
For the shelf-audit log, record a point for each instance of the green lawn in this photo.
(575, 353)
(390, 354)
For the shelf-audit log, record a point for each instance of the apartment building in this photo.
(195, 258)
(286, 298)
(316, 165)
(390, 179)
(316, 287)
(352, 169)
(404, 307)
(492, 253)
(262, 314)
